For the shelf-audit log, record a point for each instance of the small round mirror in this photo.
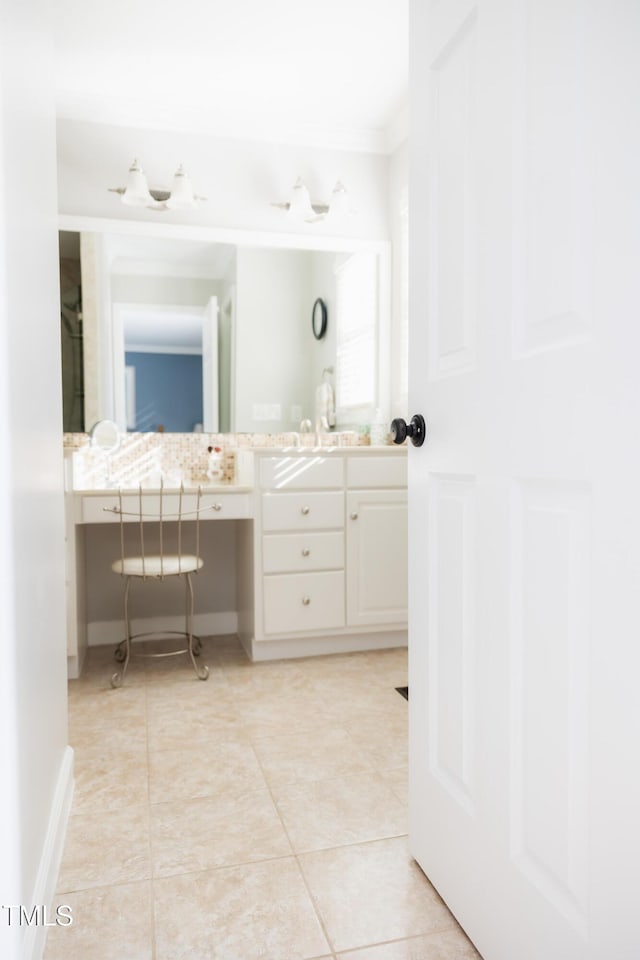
(319, 319)
(105, 436)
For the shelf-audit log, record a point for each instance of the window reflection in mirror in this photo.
(183, 335)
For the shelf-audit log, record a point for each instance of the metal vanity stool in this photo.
(150, 520)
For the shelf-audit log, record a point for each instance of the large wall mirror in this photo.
(176, 333)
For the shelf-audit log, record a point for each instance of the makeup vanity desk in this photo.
(320, 552)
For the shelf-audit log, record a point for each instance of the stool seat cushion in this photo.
(167, 566)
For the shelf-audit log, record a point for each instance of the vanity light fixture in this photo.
(137, 192)
(300, 207)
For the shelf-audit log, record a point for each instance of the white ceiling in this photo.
(289, 70)
(163, 329)
(164, 257)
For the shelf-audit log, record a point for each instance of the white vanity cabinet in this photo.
(319, 555)
(330, 552)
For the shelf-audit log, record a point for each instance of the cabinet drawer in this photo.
(302, 511)
(299, 472)
(299, 552)
(388, 471)
(304, 601)
(213, 506)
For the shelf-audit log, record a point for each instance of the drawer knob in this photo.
(306, 601)
(217, 506)
(354, 516)
(305, 510)
(306, 552)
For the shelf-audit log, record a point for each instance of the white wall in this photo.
(183, 291)
(226, 355)
(239, 178)
(214, 587)
(34, 761)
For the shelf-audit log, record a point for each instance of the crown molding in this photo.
(255, 127)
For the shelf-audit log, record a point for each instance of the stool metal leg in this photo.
(202, 672)
(123, 650)
(188, 614)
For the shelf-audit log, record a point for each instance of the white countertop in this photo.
(244, 470)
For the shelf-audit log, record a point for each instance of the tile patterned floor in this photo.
(258, 816)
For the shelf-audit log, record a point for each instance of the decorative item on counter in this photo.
(365, 434)
(215, 467)
(379, 432)
(105, 441)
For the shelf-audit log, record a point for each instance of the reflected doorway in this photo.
(166, 363)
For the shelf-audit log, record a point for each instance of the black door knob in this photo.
(416, 430)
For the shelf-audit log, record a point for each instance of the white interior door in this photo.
(525, 499)
(210, 402)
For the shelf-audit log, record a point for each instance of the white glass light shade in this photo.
(136, 193)
(339, 202)
(181, 191)
(300, 202)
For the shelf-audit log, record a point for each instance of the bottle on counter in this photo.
(215, 467)
(379, 432)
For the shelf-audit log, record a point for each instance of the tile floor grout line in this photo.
(315, 905)
(333, 778)
(312, 900)
(152, 899)
(102, 886)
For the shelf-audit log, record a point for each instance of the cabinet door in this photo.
(376, 557)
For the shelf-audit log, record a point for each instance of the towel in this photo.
(325, 407)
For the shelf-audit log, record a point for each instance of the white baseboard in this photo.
(109, 632)
(75, 664)
(316, 646)
(49, 868)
